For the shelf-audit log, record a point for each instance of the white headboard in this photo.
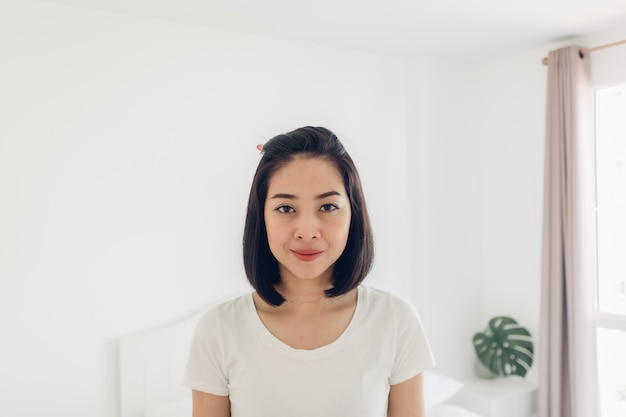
(151, 366)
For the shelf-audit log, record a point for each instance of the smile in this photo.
(307, 256)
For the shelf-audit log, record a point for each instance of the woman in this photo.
(310, 340)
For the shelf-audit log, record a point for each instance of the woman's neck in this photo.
(303, 292)
(299, 290)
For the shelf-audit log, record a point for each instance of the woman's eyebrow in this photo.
(284, 195)
(293, 197)
(328, 194)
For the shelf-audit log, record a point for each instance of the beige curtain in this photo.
(567, 360)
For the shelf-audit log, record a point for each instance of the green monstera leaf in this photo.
(505, 347)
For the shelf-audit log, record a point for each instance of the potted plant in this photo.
(504, 348)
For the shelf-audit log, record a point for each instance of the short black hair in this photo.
(260, 264)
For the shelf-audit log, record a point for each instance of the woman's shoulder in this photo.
(377, 295)
(223, 311)
(391, 308)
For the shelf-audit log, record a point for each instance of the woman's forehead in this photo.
(307, 174)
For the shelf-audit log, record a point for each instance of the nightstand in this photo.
(499, 397)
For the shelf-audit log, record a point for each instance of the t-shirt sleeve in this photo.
(412, 350)
(205, 370)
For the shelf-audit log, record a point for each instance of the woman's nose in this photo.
(307, 228)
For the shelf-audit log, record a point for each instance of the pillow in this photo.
(447, 410)
(177, 408)
(438, 388)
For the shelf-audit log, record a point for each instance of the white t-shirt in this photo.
(234, 354)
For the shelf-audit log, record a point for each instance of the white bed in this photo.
(151, 366)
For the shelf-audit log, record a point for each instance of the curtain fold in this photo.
(567, 359)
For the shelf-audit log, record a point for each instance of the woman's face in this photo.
(307, 216)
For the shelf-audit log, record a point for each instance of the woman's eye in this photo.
(285, 209)
(329, 207)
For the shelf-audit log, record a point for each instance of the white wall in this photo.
(512, 142)
(127, 147)
(607, 65)
(445, 204)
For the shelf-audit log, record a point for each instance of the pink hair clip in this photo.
(259, 147)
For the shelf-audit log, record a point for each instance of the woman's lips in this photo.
(306, 255)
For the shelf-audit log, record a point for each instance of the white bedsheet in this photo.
(182, 408)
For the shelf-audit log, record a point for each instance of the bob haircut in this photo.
(260, 264)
